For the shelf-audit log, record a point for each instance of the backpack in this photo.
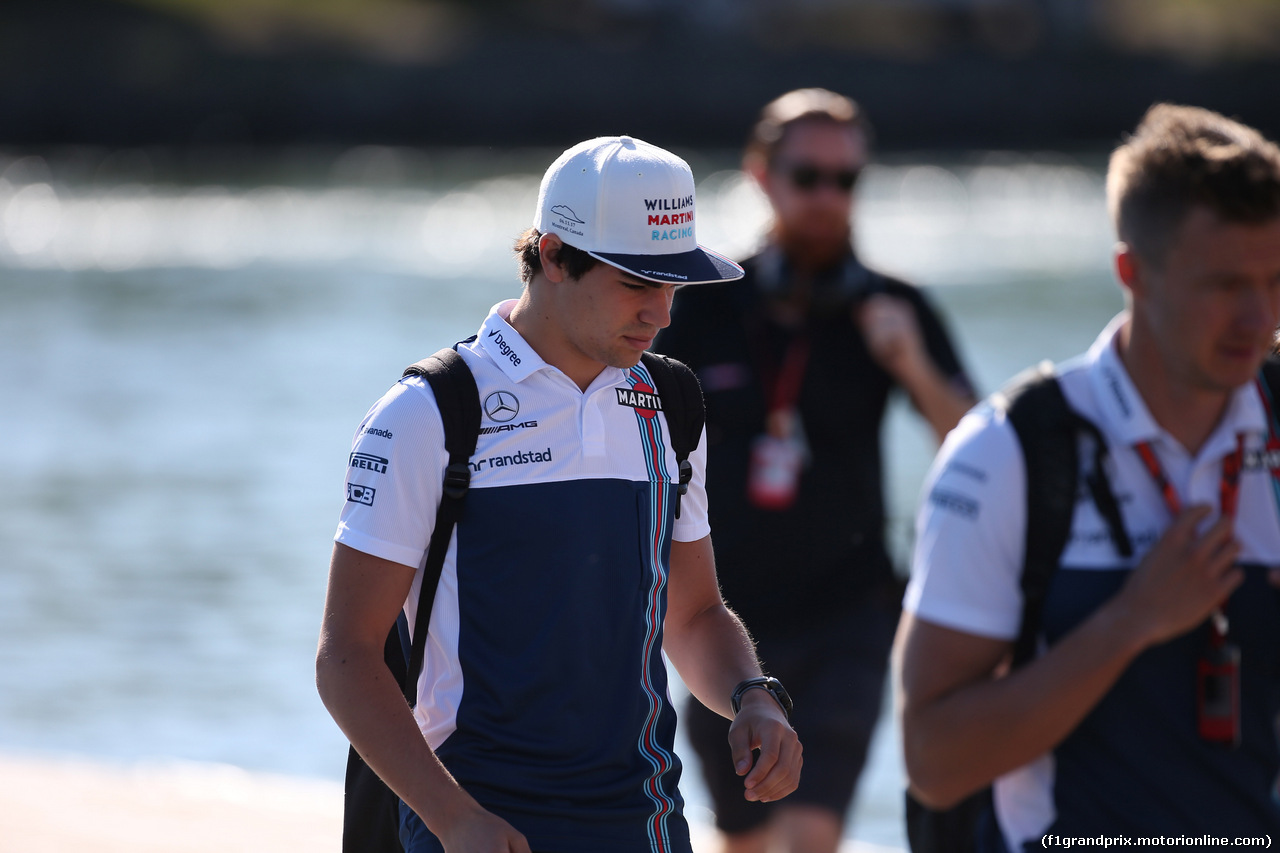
(1049, 432)
(371, 810)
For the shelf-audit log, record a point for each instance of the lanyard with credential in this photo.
(1218, 670)
(784, 382)
(1228, 488)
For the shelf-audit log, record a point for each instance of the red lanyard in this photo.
(1228, 499)
(786, 381)
(1228, 487)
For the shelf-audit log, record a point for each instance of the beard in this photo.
(818, 242)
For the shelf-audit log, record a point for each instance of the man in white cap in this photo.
(543, 720)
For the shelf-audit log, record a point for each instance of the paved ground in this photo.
(57, 806)
(68, 806)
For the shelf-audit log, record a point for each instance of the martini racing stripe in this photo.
(660, 760)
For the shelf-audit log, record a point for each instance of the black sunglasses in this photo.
(808, 177)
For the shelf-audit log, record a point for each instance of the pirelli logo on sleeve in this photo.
(369, 462)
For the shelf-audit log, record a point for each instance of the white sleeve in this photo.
(970, 531)
(693, 524)
(394, 476)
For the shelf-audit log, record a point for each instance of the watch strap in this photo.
(763, 682)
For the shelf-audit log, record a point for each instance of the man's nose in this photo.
(657, 310)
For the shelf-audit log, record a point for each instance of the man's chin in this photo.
(817, 252)
(1229, 376)
(625, 360)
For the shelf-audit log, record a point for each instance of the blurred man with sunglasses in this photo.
(797, 362)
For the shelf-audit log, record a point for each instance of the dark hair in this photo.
(802, 105)
(575, 261)
(1180, 157)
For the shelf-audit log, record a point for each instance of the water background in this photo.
(185, 351)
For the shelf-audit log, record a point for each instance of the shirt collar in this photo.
(508, 349)
(1126, 417)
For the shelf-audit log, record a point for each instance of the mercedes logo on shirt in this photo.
(501, 406)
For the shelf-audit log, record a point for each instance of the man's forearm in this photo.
(935, 397)
(963, 739)
(713, 653)
(367, 704)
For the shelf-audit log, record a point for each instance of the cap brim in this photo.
(701, 266)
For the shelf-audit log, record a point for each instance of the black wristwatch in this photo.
(764, 682)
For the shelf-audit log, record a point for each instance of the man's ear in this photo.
(757, 167)
(1129, 269)
(549, 255)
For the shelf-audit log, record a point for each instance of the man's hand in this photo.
(892, 335)
(480, 831)
(1182, 578)
(761, 724)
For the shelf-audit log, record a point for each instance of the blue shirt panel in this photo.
(1112, 773)
(583, 761)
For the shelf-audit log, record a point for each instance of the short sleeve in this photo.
(693, 523)
(970, 531)
(394, 476)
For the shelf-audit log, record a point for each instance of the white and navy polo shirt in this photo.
(1135, 763)
(543, 689)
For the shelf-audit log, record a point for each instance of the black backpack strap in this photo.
(1049, 431)
(458, 399)
(1269, 384)
(681, 397)
(371, 811)
(1042, 420)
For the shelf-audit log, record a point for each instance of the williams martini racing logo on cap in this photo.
(641, 398)
(672, 216)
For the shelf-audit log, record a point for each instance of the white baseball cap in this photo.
(631, 205)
